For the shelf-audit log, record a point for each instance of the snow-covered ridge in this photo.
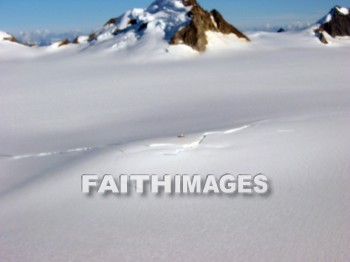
(160, 20)
(162, 15)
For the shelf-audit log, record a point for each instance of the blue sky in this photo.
(86, 15)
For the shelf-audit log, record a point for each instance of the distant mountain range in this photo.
(45, 37)
(174, 22)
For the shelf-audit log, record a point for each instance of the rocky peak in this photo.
(202, 21)
(335, 23)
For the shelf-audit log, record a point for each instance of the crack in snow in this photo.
(195, 144)
(177, 147)
(54, 153)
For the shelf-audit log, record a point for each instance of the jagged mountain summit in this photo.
(194, 33)
(175, 21)
(335, 24)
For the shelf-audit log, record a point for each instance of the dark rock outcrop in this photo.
(64, 42)
(92, 37)
(143, 27)
(224, 27)
(336, 23)
(323, 38)
(132, 22)
(194, 34)
(320, 34)
(13, 39)
(115, 31)
(281, 30)
(76, 40)
(111, 21)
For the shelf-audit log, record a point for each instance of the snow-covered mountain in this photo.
(171, 21)
(335, 24)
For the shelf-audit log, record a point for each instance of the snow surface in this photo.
(277, 106)
(82, 39)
